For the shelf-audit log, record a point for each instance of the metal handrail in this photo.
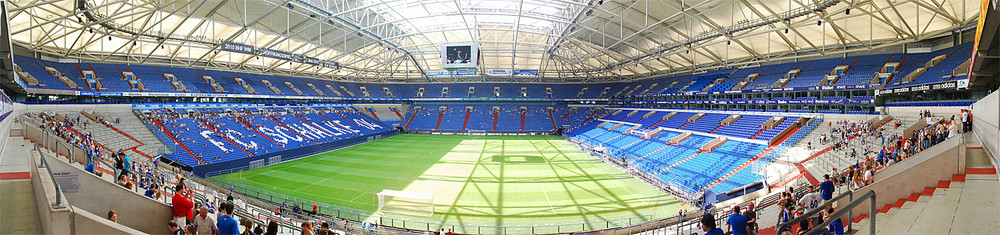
(59, 202)
(848, 209)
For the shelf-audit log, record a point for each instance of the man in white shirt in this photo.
(205, 223)
(239, 203)
(965, 120)
(811, 201)
(952, 129)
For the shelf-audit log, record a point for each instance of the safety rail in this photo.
(841, 210)
(413, 225)
(59, 199)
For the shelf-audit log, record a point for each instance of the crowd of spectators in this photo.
(890, 148)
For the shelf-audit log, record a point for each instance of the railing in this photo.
(359, 215)
(59, 201)
(841, 210)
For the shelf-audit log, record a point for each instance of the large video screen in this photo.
(459, 56)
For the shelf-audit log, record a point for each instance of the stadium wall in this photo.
(98, 196)
(6, 114)
(985, 122)
(73, 219)
(241, 164)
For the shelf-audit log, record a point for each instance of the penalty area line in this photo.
(547, 198)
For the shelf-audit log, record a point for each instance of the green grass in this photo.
(479, 183)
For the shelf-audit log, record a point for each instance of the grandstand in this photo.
(498, 117)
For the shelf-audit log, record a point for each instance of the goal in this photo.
(476, 132)
(408, 203)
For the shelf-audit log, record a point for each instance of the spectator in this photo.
(227, 225)
(151, 191)
(182, 206)
(708, 209)
(803, 227)
(751, 218)
(257, 230)
(737, 223)
(189, 230)
(204, 223)
(119, 166)
(837, 226)
(127, 163)
(784, 216)
(811, 201)
(90, 168)
(307, 228)
(826, 188)
(708, 225)
(272, 228)
(112, 216)
(174, 228)
(324, 228)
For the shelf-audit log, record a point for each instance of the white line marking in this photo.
(475, 208)
(547, 198)
(356, 198)
(331, 177)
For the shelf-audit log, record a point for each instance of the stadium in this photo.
(499, 117)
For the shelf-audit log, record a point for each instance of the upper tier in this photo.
(935, 66)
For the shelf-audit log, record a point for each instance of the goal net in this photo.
(476, 132)
(408, 203)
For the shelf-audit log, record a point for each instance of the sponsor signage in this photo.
(435, 73)
(238, 48)
(525, 72)
(277, 54)
(281, 55)
(783, 89)
(924, 87)
(499, 72)
(508, 72)
(466, 72)
(812, 101)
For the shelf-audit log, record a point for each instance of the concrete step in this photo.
(969, 207)
(17, 198)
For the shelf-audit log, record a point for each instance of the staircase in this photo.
(440, 117)
(496, 115)
(965, 205)
(397, 113)
(133, 129)
(553, 119)
(754, 159)
(678, 163)
(758, 133)
(174, 138)
(466, 123)
(522, 121)
(655, 151)
(408, 121)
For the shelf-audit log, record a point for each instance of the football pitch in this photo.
(479, 184)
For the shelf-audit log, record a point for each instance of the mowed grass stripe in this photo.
(498, 180)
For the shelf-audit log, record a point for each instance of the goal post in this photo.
(408, 203)
(476, 132)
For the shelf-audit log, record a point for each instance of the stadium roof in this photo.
(399, 41)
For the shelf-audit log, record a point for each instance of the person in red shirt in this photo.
(182, 206)
(315, 209)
